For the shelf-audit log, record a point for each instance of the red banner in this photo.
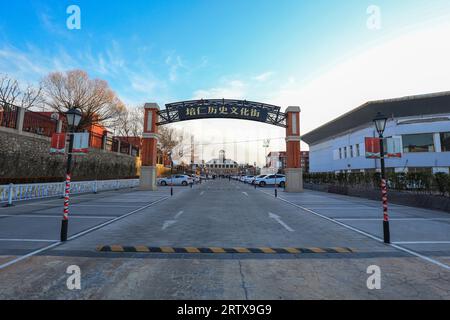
(58, 144)
(372, 148)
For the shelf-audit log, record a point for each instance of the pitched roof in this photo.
(428, 104)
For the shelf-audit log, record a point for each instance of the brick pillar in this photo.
(149, 144)
(294, 174)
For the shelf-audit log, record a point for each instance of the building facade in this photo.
(421, 123)
(222, 165)
(276, 161)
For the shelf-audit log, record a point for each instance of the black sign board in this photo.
(225, 111)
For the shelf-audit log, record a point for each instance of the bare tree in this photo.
(9, 90)
(31, 97)
(96, 100)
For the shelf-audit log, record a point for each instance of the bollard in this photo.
(255, 185)
(95, 187)
(171, 191)
(10, 196)
(191, 185)
(276, 192)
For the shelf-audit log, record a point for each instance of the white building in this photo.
(421, 122)
(222, 165)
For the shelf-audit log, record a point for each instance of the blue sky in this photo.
(165, 51)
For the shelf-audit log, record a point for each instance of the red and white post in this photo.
(149, 147)
(294, 173)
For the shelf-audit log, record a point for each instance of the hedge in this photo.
(422, 182)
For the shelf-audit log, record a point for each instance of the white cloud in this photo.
(263, 77)
(414, 63)
(233, 89)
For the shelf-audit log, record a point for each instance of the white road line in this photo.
(202, 193)
(28, 240)
(55, 216)
(7, 264)
(278, 219)
(84, 205)
(421, 242)
(178, 214)
(168, 223)
(391, 219)
(245, 193)
(447, 267)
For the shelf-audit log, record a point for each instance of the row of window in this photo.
(423, 142)
(352, 151)
(222, 166)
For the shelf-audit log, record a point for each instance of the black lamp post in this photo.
(171, 172)
(380, 124)
(73, 116)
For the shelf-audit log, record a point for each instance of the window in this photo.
(358, 152)
(445, 141)
(345, 152)
(418, 142)
(340, 153)
(351, 151)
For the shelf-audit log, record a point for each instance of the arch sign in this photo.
(221, 108)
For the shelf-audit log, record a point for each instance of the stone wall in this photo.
(27, 156)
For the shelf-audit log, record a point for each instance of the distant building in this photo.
(222, 165)
(422, 124)
(276, 162)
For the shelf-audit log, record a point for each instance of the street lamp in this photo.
(73, 116)
(380, 125)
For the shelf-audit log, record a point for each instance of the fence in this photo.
(8, 116)
(20, 192)
(36, 123)
(417, 182)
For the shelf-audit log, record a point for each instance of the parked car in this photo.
(252, 181)
(176, 180)
(268, 180)
(248, 179)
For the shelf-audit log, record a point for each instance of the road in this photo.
(222, 240)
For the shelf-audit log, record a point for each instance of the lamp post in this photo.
(380, 124)
(73, 116)
(171, 172)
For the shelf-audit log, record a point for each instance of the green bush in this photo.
(412, 181)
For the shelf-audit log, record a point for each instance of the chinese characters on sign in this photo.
(225, 111)
(58, 143)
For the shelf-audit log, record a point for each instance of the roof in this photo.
(428, 104)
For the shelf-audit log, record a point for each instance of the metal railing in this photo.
(20, 192)
(8, 115)
(39, 124)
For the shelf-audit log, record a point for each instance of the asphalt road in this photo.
(222, 240)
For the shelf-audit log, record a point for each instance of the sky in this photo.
(326, 56)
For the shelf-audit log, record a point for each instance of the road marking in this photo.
(168, 223)
(278, 219)
(245, 193)
(421, 242)
(219, 250)
(77, 235)
(178, 214)
(391, 219)
(447, 267)
(55, 216)
(29, 240)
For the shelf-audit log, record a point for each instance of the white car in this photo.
(252, 181)
(248, 179)
(176, 180)
(272, 179)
